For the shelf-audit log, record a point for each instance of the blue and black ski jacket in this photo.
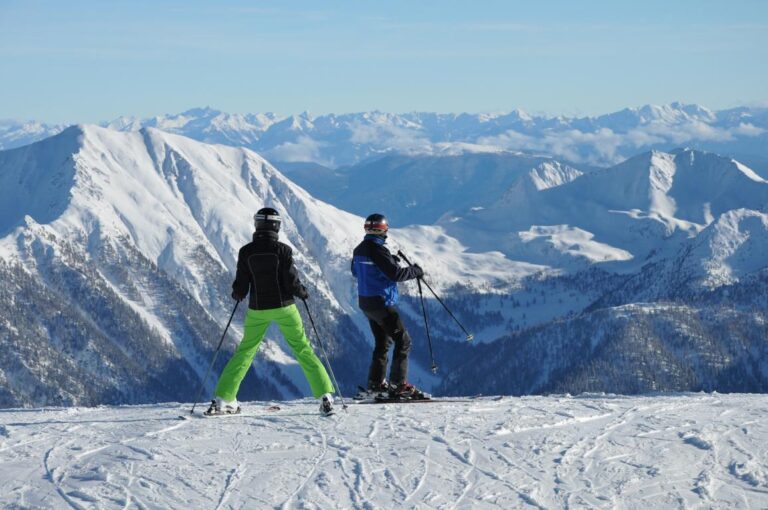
(377, 273)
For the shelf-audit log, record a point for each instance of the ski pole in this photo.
(215, 355)
(426, 326)
(325, 355)
(470, 336)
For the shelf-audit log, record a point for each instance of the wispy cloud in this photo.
(605, 146)
(303, 149)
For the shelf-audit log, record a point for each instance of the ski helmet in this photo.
(376, 224)
(267, 219)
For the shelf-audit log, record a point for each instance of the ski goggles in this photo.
(266, 217)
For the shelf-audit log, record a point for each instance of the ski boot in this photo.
(373, 391)
(407, 391)
(221, 407)
(326, 405)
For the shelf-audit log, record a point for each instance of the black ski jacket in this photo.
(265, 268)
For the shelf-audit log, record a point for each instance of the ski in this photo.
(364, 394)
(383, 394)
(270, 409)
(205, 414)
(411, 401)
(386, 397)
(438, 400)
(221, 415)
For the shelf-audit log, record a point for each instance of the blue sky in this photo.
(86, 61)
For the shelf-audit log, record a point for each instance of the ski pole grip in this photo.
(402, 256)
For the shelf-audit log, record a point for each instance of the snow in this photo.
(570, 241)
(589, 451)
(730, 248)
(652, 202)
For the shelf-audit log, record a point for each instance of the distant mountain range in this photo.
(346, 139)
(117, 252)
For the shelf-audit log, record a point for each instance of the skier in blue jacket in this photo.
(377, 272)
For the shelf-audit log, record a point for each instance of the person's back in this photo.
(376, 273)
(266, 273)
(265, 267)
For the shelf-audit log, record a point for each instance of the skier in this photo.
(377, 272)
(265, 268)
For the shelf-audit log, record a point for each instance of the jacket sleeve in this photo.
(288, 270)
(386, 262)
(242, 283)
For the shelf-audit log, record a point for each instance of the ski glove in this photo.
(302, 292)
(237, 296)
(418, 270)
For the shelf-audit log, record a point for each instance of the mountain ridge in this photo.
(336, 140)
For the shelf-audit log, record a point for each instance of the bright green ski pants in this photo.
(256, 324)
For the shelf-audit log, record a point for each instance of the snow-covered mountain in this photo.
(591, 451)
(692, 319)
(205, 124)
(19, 133)
(118, 252)
(422, 189)
(336, 140)
(139, 231)
(640, 208)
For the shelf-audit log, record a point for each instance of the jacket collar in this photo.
(265, 234)
(376, 239)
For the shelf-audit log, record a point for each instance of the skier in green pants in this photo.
(265, 270)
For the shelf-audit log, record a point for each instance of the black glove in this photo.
(397, 259)
(302, 292)
(418, 271)
(237, 296)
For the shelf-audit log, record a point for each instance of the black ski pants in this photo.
(387, 327)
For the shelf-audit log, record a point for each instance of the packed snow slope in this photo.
(593, 451)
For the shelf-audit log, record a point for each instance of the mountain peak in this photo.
(205, 111)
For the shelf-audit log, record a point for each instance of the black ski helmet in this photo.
(376, 224)
(267, 219)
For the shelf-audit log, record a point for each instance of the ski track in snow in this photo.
(593, 451)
